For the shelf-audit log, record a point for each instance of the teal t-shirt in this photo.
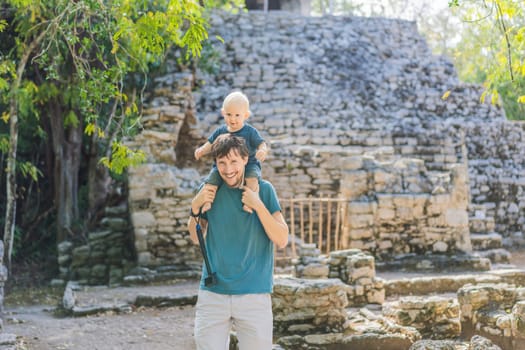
(240, 252)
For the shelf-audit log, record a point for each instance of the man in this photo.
(240, 251)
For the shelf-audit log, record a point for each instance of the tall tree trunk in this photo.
(98, 182)
(10, 210)
(67, 145)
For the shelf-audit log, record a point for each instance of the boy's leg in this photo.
(253, 184)
(252, 175)
(213, 181)
(207, 206)
(252, 316)
(212, 321)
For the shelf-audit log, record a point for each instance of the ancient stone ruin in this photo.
(352, 109)
(358, 116)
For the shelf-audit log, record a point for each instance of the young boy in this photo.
(236, 110)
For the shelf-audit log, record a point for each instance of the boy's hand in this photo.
(198, 153)
(261, 155)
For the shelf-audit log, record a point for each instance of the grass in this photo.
(28, 284)
(40, 295)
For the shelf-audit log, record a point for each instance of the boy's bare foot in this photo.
(247, 209)
(205, 207)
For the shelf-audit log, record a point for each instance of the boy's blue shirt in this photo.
(240, 252)
(248, 133)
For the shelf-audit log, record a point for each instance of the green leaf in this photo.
(122, 157)
(71, 120)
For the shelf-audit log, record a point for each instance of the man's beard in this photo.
(240, 183)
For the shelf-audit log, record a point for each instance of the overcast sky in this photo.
(406, 9)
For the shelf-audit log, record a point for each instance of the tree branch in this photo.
(507, 40)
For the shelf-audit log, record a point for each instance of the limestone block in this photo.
(315, 271)
(160, 136)
(361, 233)
(386, 214)
(356, 208)
(518, 320)
(182, 242)
(99, 271)
(143, 219)
(115, 223)
(406, 213)
(166, 222)
(481, 295)
(403, 200)
(63, 248)
(361, 221)
(140, 233)
(481, 343)
(440, 200)
(376, 296)
(385, 200)
(435, 317)
(385, 244)
(320, 303)
(144, 258)
(456, 217)
(440, 247)
(354, 183)
(382, 178)
(140, 193)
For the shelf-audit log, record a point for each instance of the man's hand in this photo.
(206, 194)
(250, 198)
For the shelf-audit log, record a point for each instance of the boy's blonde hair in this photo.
(236, 97)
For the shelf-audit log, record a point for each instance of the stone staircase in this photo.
(485, 241)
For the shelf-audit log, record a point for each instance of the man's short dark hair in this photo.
(227, 142)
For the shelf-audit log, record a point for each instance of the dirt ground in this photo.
(143, 329)
(38, 325)
(171, 328)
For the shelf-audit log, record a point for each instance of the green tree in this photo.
(72, 72)
(492, 50)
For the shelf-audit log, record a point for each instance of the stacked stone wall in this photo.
(496, 310)
(434, 317)
(105, 256)
(497, 174)
(342, 114)
(395, 205)
(160, 191)
(351, 107)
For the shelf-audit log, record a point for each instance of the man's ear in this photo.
(245, 160)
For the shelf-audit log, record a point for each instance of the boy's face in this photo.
(231, 168)
(235, 113)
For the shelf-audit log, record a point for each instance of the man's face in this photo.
(231, 168)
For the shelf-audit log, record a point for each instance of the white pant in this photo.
(250, 314)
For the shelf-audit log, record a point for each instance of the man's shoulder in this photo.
(265, 185)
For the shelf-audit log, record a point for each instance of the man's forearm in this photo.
(274, 225)
(192, 221)
(192, 227)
